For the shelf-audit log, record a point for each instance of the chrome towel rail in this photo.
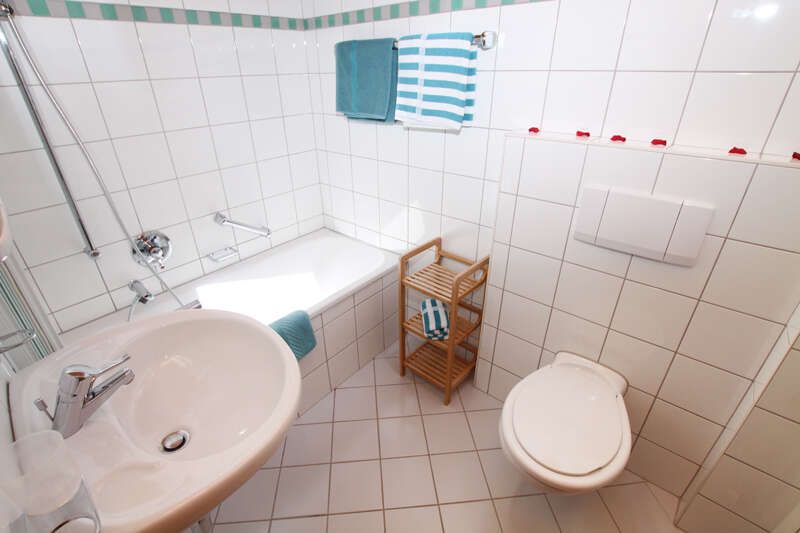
(484, 40)
(222, 220)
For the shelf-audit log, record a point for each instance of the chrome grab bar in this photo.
(16, 339)
(222, 220)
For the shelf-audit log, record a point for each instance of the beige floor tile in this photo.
(253, 500)
(668, 502)
(581, 513)
(448, 433)
(485, 427)
(474, 399)
(525, 514)
(355, 487)
(634, 508)
(302, 490)
(387, 372)
(312, 524)
(308, 445)
(505, 479)
(355, 441)
(397, 400)
(365, 377)
(431, 400)
(407, 482)
(370, 522)
(626, 478)
(322, 411)
(472, 517)
(354, 404)
(413, 520)
(401, 437)
(458, 477)
(245, 527)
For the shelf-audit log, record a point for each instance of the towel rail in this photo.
(484, 40)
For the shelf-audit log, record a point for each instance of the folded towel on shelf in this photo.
(295, 328)
(435, 319)
(366, 79)
(436, 80)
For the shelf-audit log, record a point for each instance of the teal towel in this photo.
(435, 321)
(295, 328)
(366, 79)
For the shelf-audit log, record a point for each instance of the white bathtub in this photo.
(332, 277)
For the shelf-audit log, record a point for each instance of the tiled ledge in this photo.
(103, 11)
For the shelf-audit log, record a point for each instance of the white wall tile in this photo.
(587, 293)
(180, 103)
(111, 51)
(653, 23)
(784, 137)
(46, 234)
(462, 197)
(551, 171)
(646, 105)
(516, 355)
(732, 109)
(85, 281)
(138, 170)
(588, 35)
(167, 50)
(214, 51)
(762, 32)
(680, 431)
(626, 169)
(541, 227)
(224, 100)
(233, 144)
(651, 314)
(576, 101)
(518, 99)
(531, 275)
(465, 152)
(159, 204)
(203, 194)
(525, 36)
(54, 47)
(661, 466)
(254, 49)
(756, 280)
(192, 151)
(703, 389)
(644, 365)
(569, 333)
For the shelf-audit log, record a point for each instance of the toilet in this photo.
(566, 424)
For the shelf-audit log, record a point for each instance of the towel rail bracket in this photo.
(486, 40)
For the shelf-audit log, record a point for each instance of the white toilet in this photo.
(566, 424)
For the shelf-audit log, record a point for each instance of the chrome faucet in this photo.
(79, 398)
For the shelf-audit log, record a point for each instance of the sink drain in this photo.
(174, 441)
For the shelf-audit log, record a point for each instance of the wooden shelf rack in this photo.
(437, 361)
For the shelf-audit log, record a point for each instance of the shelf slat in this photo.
(437, 281)
(462, 330)
(430, 362)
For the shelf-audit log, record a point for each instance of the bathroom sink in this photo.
(222, 385)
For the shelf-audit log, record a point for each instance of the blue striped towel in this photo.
(436, 80)
(435, 320)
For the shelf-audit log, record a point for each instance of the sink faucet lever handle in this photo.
(111, 365)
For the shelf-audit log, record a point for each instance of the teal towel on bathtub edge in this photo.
(366, 79)
(295, 328)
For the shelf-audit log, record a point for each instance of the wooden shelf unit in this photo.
(437, 361)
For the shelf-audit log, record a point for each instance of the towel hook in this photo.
(485, 40)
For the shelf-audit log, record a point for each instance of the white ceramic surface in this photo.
(228, 380)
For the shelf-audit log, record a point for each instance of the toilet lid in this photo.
(566, 417)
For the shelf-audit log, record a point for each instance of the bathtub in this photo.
(348, 287)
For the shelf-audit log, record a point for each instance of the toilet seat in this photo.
(566, 418)
(567, 426)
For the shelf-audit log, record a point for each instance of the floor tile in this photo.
(371, 522)
(397, 400)
(458, 477)
(634, 508)
(387, 372)
(363, 378)
(302, 490)
(311, 524)
(355, 487)
(473, 517)
(253, 500)
(431, 400)
(407, 482)
(504, 478)
(579, 513)
(322, 411)
(626, 478)
(525, 514)
(474, 399)
(354, 404)
(669, 502)
(308, 445)
(448, 433)
(246, 527)
(485, 427)
(355, 441)
(415, 519)
(401, 437)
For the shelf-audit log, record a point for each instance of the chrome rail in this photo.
(222, 220)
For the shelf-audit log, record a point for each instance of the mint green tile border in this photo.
(124, 12)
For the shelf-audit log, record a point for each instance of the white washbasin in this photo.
(227, 380)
